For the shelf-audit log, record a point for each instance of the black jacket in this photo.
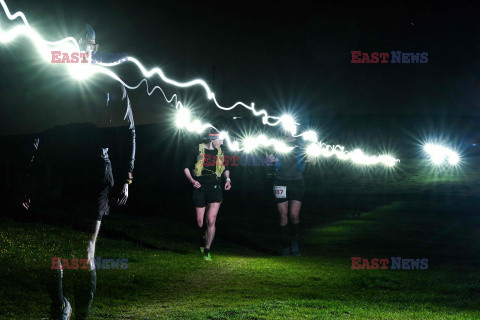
(76, 151)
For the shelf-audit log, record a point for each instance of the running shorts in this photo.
(207, 193)
(284, 190)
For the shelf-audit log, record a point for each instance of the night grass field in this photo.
(413, 215)
(167, 278)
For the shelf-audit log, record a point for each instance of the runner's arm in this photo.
(186, 165)
(29, 176)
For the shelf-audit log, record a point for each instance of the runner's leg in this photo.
(86, 292)
(295, 207)
(200, 212)
(212, 211)
(55, 289)
(283, 210)
(200, 216)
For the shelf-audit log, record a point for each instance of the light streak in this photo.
(314, 149)
(357, 156)
(44, 47)
(183, 119)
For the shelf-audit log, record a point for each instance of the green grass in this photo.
(168, 279)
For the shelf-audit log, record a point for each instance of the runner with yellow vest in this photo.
(207, 166)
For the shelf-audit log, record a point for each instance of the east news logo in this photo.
(392, 57)
(100, 263)
(397, 263)
(82, 57)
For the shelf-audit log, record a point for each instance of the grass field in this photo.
(167, 278)
(412, 213)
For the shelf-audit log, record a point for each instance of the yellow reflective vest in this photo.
(219, 164)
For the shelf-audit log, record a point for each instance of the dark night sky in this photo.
(283, 55)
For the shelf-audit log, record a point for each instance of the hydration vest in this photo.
(219, 167)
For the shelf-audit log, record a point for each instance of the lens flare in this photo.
(183, 118)
(440, 154)
(223, 135)
(309, 136)
(82, 71)
(289, 124)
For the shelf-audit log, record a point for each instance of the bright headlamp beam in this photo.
(309, 136)
(289, 124)
(440, 154)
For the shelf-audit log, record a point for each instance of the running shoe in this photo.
(295, 250)
(66, 310)
(206, 256)
(202, 249)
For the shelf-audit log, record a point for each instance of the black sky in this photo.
(283, 55)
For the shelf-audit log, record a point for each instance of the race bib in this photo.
(280, 191)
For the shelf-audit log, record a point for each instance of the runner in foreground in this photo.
(80, 159)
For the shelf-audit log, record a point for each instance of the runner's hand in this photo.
(196, 184)
(124, 196)
(26, 202)
(228, 185)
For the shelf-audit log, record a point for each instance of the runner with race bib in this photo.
(288, 191)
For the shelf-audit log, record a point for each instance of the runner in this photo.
(75, 159)
(288, 189)
(207, 164)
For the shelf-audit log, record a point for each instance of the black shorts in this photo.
(78, 195)
(284, 190)
(103, 204)
(207, 193)
(99, 192)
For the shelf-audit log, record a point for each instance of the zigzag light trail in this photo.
(82, 71)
